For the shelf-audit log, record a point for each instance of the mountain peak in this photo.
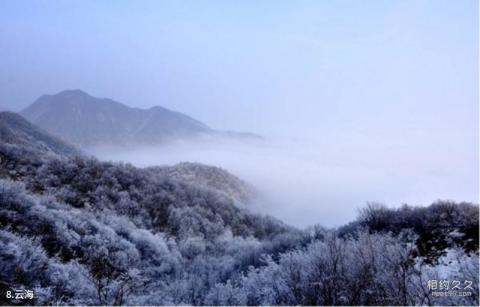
(88, 121)
(73, 93)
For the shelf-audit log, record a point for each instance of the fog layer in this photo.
(305, 182)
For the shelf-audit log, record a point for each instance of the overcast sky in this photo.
(396, 81)
(252, 65)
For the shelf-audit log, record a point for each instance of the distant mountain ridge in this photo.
(87, 121)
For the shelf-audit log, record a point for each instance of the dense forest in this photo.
(79, 231)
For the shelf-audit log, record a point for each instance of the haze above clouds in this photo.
(358, 101)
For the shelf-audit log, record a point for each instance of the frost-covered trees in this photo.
(72, 255)
(118, 261)
(81, 231)
(371, 269)
(442, 225)
(209, 177)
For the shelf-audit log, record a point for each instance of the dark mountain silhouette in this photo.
(87, 121)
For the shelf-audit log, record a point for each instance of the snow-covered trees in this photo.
(371, 269)
(442, 225)
(80, 231)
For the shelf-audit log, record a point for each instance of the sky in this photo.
(253, 65)
(391, 85)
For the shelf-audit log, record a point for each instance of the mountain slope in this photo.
(88, 121)
(15, 131)
(80, 231)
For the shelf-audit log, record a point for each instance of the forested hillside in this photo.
(81, 231)
(210, 177)
(16, 132)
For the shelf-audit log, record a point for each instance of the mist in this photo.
(357, 101)
(305, 182)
